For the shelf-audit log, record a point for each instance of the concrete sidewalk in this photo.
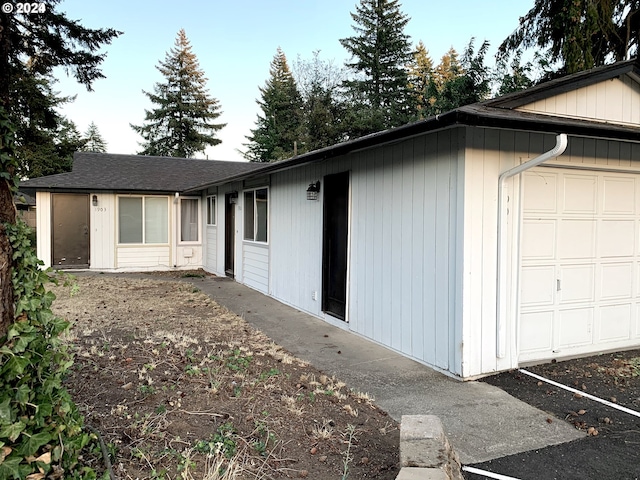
(481, 421)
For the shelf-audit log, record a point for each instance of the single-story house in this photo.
(497, 234)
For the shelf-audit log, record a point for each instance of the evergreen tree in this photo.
(380, 51)
(420, 73)
(279, 128)
(580, 34)
(513, 77)
(93, 139)
(182, 124)
(319, 83)
(455, 84)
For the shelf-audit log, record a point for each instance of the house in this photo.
(497, 234)
(124, 212)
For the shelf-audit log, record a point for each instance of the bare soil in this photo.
(179, 387)
(610, 449)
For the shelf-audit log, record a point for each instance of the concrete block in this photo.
(422, 441)
(416, 473)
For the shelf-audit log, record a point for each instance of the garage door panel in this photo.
(580, 194)
(580, 294)
(619, 195)
(576, 239)
(616, 238)
(576, 283)
(538, 285)
(541, 193)
(616, 281)
(614, 322)
(539, 239)
(536, 332)
(575, 327)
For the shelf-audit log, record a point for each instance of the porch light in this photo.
(94, 200)
(313, 190)
(233, 198)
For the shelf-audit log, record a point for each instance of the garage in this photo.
(579, 263)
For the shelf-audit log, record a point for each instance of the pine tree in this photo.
(380, 51)
(279, 131)
(182, 124)
(93, 139)
(420, 73)
(580, 34)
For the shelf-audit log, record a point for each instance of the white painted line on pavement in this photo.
(579, 392)
(487, 474)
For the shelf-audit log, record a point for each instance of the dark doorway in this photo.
(230, 200)
(334, 244)
(70, 230)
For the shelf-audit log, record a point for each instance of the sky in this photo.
(235, 42)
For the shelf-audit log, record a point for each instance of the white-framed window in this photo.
(143, 220)
(189, 219)
(256, 213)
(211, 210)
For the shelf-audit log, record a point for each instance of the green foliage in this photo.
(182, 124)
(222, 441)
(93, 140)
(279, 130)
(579, 34)
(237, 361)
(40, 427)
(379, 96)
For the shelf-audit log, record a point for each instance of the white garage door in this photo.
(580, 263)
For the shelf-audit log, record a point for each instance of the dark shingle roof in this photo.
(136, 173)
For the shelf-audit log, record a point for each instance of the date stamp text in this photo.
(24, 7)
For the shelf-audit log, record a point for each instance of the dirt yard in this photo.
(181, 388)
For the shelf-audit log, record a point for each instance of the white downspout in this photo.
(503, 200)
(176, 229)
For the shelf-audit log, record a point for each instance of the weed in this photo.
(238, 362)
(193, 275)
(222, 441)
(347, 458)
(147, 389)
(274, 372)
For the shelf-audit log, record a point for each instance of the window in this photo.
(143, 220)
(188, 219)
(255, 215)
(211, 210)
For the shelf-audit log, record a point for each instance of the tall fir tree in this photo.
(420, 74)
(94, 140)
(279, 132)
(578, 34)
(182, 124)
(380, 51)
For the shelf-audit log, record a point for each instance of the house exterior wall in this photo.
(404, 257)
(43, 227)
(102, 223)
(488, 153)
(616, 100)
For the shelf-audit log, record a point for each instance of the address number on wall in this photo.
(100, 209)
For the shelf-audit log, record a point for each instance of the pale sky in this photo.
(235, 41)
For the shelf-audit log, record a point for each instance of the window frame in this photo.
(198, 216)
(211, 198)
(144, 242)
(255, 216)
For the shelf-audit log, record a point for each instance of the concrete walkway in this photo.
(481, 421)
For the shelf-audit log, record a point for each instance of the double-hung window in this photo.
(189, 224)
(143, 220)
(256, 208)
(211, 210)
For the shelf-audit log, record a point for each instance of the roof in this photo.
(494, 113)
(136, 173)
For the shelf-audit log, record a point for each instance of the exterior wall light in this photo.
(233, 198)
(94, 200)
(313, 190)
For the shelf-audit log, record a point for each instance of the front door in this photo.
(229, 232)
(70, 231)
(334, 244)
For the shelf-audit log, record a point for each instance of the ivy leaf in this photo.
(14, 367)
(22, 394)
(12, 432)
(6, 416)
(11, 468)
(32, 444)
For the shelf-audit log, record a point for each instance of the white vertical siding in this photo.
(144, 257)
(403, 229)
(615, 100)
(43, 231)
(103, 231)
